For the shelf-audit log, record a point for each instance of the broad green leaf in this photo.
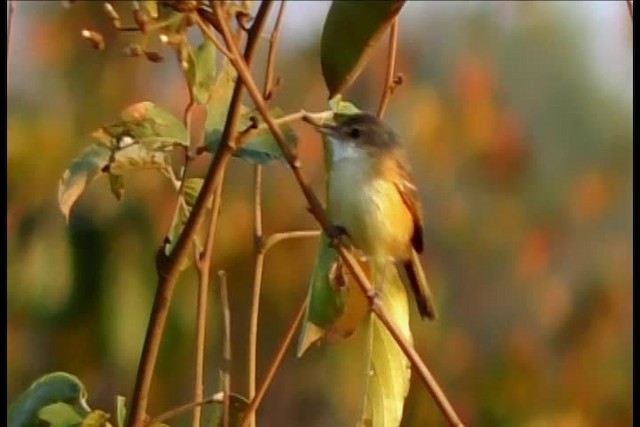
(388, 373)
(237, 405)
(147, 125)
(141, 138)
(202, 70)
(350, 31)
(47, 390)
(121, 410)
(260, 146)
(60, 415)
(325, 302)
(192, 187)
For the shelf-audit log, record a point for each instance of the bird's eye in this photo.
(354, 133)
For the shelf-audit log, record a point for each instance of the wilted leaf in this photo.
(349, 34)
(49, 389)
(259, 146)
(141, 139)
(60, 415)
(389, 371)
(81, 172)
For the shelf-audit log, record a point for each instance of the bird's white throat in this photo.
(341, 150)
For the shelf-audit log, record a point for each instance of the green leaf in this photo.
(121, 410)
(142, 138)
(60, 415)
(325, 303)
(47, 390)
(202, 70)
(149, 126)
(260, 146)
(388, 371)
(192, 187)
(349, 34)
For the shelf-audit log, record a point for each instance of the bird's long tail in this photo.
(419, 286)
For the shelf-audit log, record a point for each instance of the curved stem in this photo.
(274, 365)
(203, 265)
(391, 67)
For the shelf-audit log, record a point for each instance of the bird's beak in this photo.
(328, 129)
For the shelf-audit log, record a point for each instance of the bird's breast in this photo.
(370, 208)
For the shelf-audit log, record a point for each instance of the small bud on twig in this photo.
(153, 56)
(134, 50)
(141, 20)
(112, 14)
(95, 38)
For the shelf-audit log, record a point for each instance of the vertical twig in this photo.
(226, 350)
(260, 249)
(203, 264)
(168, 268)
(275, 364)
(269, 84)
(257, 283)
(391, 67)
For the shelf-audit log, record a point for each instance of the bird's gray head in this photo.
(361, 131)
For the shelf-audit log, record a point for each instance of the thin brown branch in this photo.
(257, 283)
(269, 84)
(274, 365)
(391, 68)
(174, 412)
(204, 273)
(316, 209)
(226, 349)
(288, 235)
(168, 267)
(630, 8)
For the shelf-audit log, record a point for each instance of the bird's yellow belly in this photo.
(371, 210)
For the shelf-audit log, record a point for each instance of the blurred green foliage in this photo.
(523, 157)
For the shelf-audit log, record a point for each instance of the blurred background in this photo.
(518, 118)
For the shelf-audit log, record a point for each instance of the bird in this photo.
(373, 200)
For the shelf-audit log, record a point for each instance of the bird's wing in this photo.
(409, 193)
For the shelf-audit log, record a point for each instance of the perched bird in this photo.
(372, 197)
